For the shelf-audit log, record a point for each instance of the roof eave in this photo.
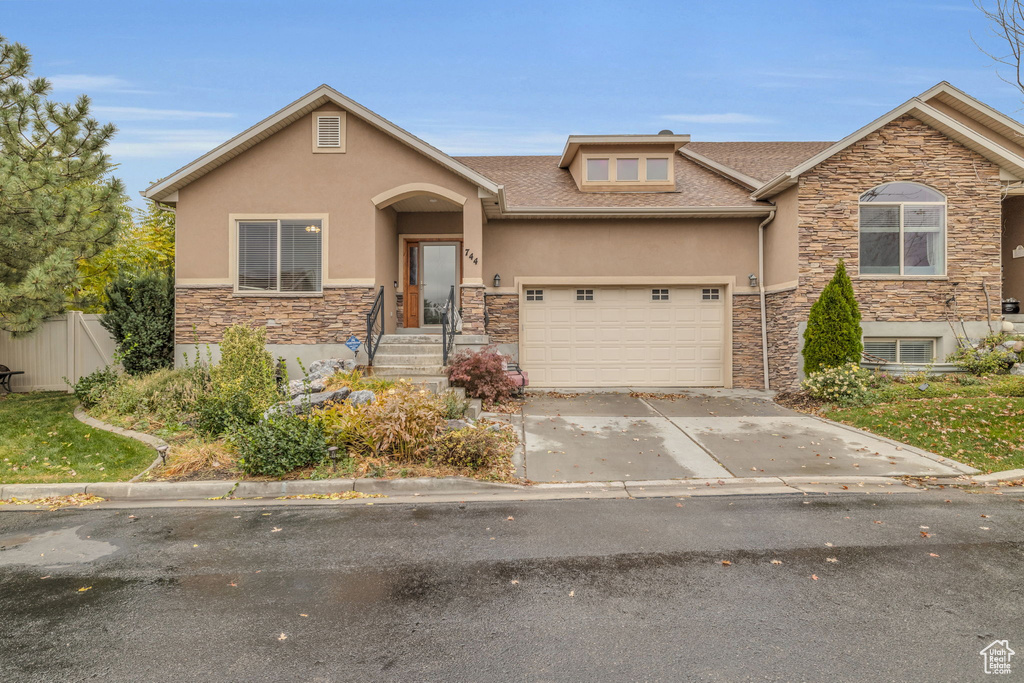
(573, 142)
(624, 211)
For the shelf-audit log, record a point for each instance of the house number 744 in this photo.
(472, 258)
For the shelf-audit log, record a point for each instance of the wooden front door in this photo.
(432, 267)
(411, 296)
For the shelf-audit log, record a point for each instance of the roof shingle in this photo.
(760, 160)
(537, 181)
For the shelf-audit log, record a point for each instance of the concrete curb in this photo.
(451, 489)
(147, 439)
(996, 477)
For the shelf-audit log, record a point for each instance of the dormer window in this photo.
(597, 170)
(627, 170)
(657, 169)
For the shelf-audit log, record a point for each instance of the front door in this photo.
(432, 268)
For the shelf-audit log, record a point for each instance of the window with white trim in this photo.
(629, 170)
(280, 255)
(535, 295)
(902, 351)
(711, 294)
(597, 170)
(584, 295)
(659, 295)
(902, 230)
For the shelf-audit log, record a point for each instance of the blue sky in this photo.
(179, 78)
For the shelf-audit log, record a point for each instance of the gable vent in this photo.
(328, 131)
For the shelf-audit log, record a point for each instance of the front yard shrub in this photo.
(454, 407)
(482, 373)
(140, 317)
(474, 447)
(833, 334)
(279, 444)
(401, 423)
(355, 381)
(844, 385)
(982, 361)
(166, 396)
(91, 388)
(242, 385)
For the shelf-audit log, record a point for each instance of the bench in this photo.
(5, 377)
(518, 376)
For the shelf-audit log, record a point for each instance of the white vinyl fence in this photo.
(71, 345)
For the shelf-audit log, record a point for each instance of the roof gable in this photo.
(1001, 155)
(166, 189)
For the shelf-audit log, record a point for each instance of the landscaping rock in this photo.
(1017, 369)
(456, 424)
(1018, 346)
(329, 366)
(1007, 326)
(313, 386)
(299, 404)
(360, 397)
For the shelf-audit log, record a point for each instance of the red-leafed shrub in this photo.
(481, 373)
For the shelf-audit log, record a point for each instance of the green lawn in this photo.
(977, 425)
(42, 442)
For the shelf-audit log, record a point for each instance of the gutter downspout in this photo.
(760, 285)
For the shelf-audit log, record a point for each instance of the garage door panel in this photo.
(623, 337)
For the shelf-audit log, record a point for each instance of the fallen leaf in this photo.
(726, 563)
(195, 545)
(829, 545)
(984, 527)
(924, 527)
(276, 528)
(303, 615)
(510, 518)
(932, 555)
(572, 594)
(515, 582)
(984, 515)
(814, 576)
(925, 534)
(878, 522)
(282, 637)
(776, 561)
(84, 588)
(833, 560)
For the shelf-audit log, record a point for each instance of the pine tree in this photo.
(833, 334)
(58, 204)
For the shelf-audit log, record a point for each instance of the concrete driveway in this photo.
(702, 434)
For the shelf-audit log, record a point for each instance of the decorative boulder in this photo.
(297, 386)
(360, 397)
(301, 404)
(1017, 369)
(1018, 346)
(1007, 326)
(454, 425)
(329, 366)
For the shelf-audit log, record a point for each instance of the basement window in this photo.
(902, 351)
(535, 295)
(584, 295)
(659, 295)
(711, 294)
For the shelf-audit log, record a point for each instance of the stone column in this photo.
(472, 267)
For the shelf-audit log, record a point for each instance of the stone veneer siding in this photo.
(503, 318)
(828, 199)
(903, 150)
(783, 339)
(203, 313)
(472, 309)
(747, 361)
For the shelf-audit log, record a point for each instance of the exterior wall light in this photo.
(497, 280)
(753, 280)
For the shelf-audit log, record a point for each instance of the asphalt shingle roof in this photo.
(537, 181)
(760, 160)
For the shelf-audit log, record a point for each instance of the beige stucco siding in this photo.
(282, 175)
(781, 241)
(621, 247)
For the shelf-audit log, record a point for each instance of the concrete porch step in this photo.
(409, 349)
(404, 360)
(407, 371)
(411, 339)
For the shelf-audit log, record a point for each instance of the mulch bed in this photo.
(799, 400)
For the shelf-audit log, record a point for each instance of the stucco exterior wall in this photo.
(282, 175)
(621, 247)
(906, 150)
(782, 240)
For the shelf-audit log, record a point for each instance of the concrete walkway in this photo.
(719, 433)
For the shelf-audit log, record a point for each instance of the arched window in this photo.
(902, 230)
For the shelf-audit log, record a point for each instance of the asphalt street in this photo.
(846, 587)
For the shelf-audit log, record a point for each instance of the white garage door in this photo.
(591, 336)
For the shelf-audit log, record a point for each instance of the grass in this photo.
(42, 442)
(977, 424)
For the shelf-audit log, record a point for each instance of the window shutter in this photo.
(257, 255)
(301, 255)
(328, 131)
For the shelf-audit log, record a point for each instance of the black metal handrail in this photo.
(449, 326)
(375, 325)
